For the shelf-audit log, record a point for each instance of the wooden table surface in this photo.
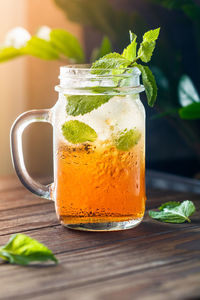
(153, 261)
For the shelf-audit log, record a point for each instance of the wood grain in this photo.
(153, 261)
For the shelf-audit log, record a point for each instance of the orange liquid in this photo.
(99, 184)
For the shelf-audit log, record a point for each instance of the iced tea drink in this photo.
(100, 180)
(99, 184)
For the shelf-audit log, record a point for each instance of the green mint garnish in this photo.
(174, 212)
(113, 62)
(148, 45)
(117, 64)
(149, 82)
(22, 250)
(83, 104)
(109, 62)
(78, 132)
(127, 139)
(130, 51)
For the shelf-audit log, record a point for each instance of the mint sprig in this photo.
(113, 62)
(117, 64)
(22, 250)
(174, 212)
(148, 45)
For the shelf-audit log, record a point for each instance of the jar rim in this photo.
(87, 68)
(79, 79)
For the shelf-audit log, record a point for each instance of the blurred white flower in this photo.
(17, 38)
(44, 33)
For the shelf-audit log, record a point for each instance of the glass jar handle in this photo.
(24, 120)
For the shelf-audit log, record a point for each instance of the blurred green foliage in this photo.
(60, 45)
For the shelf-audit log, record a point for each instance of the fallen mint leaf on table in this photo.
(174, 212)
(22, 250)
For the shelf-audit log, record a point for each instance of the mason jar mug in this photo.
(98, 149)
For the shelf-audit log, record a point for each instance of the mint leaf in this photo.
(174, 213)
(187, 92)
(67, 44)
(146, 50)
(22, 250)
(108, 63)
(78, 132)
(9, 53)
(151, 35)
(40, 48)
(82, 104)
(149, 82)
(170, 204)
(190, 112)
(132, 35)
(148, 45)
(130, 51)
(127, 139)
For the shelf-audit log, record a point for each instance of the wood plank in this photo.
(160, 283)
(25, 219)
(18, 198)
(114, 261)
